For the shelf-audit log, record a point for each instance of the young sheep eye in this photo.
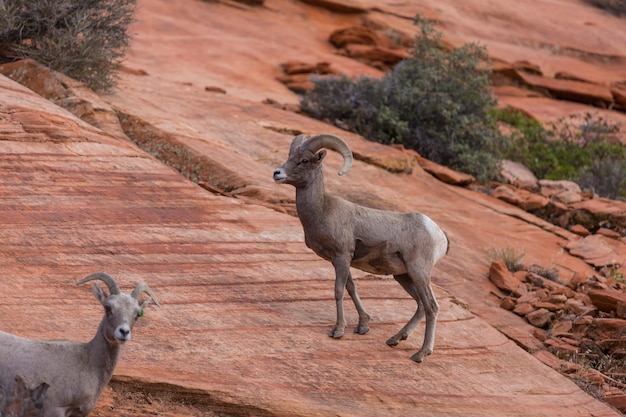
(304, 161)
(140, 314)
(107, 310)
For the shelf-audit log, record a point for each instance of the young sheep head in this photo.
(121, 310)
(306, 154)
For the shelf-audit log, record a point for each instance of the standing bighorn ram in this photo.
(406, 245)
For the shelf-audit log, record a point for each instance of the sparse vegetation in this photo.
(435, 102)
(572, 149)
(511, 256)
(83, 39)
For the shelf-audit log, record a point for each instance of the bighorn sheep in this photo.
(76, 372)
(406, 245)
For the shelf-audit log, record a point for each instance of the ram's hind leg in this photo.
(408, 328)
(421, 279)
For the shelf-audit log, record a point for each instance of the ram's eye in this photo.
(304, 161)
(107, 310)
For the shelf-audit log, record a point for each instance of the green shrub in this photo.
(83, 39)
(436, 102)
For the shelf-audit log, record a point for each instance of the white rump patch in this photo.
(439, 238)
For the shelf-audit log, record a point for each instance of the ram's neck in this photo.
(102, 357)
(311, 200)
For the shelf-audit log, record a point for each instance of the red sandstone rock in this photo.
(609, 300)
(597, 250)
(444, 173)
(521, 198)
(378, 56)
(580, 230)
(518, 175)
(608, 233)
(540, 318)
(503, 278)
(594, 94)
(354, 35)
(566, 192)
(615, 397)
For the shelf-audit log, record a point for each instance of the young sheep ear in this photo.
(99, 293)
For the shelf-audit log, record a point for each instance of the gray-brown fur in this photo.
(405, 245)
(76, 373)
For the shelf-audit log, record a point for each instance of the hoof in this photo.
(393, 342)
(336, 334)
(419, 356)
(362, 329)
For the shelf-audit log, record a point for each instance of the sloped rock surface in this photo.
(246, 306)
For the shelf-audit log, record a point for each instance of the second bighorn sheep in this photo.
(75, 373)
(405, 245)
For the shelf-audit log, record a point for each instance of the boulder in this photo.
(445, 174)
(518, 174)
(521, 198)
(564, 191)
(540, 318)
(596, 250)
(502, 278)
(609, 301)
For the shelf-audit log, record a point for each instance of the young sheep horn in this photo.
(104, 277)
(325, 140)
(143, 287)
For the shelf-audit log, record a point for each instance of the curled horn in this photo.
(296, 142)
(104, 277)
(143, 287)
(325, 140)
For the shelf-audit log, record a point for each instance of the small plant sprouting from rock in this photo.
(511, 256)
(550, 273)
(83, 39)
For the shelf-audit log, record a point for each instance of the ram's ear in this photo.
(320, 155)
(99, 293)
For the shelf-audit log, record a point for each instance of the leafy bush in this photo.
(83, 39)
(436, 102)
(580, 151)
(606, 176)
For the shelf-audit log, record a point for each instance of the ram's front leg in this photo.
(342, 274)
(364, 318)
